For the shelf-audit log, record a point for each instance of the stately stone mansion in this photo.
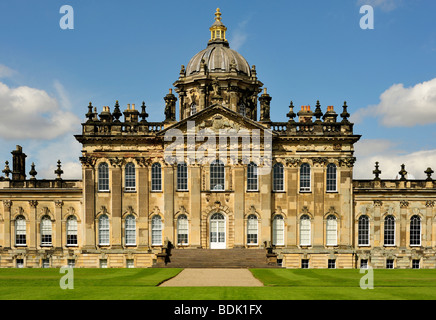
(243, 184)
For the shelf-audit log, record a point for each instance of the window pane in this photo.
(252, 177)
(305, 230)
(415, 231)
(305, 177)
(182, 229)
(217, 175)
(20, 231)
(46, 231)
(103, 177)
(156, 177)
(331, 233)
(331, 177)
(182, 176)
(389, 232)
(71, 230)
(130, 177)
(156, 231)
(363, 231)
(103, 230)
(278, 230)
(278, 177)
(130, 230)
(252, 229)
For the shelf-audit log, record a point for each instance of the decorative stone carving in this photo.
(88, 162)
(404, 204)
(429, 203)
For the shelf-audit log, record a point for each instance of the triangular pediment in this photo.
(216, 118)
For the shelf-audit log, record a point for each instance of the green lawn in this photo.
(288, 284)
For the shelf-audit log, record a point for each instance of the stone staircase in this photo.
(217, 258)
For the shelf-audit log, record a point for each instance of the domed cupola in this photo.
(220, 75)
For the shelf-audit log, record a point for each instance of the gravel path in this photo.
(213, 278)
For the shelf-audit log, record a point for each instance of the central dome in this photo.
(218, 57)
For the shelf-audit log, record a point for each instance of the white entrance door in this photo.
(217, 231)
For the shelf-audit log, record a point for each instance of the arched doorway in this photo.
(217, 231)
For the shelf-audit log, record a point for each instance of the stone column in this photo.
(143, 194)
(377, 224)
(89, 230)
(116, 202)
(195, 204)
(168, 189)
(291, 185)
(7, 223)
(319, 209)
(33, 217)
(403, 223)
(265, 187)
(428, 217)
(239, 207)
(58, 227)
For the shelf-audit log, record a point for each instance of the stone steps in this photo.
(217, 258)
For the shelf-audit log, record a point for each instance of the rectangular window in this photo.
(278, 174)
(389, 263)
(305, 178)
(182, 177)
(103, 263)
(331, 178)
(156, 177)
(331, 264)
(45, 263)
(20, 263)
(130, 263)
(71, 263)
(363, 263)
(415, 264)
(304, 263)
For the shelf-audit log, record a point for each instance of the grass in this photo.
(280, 284)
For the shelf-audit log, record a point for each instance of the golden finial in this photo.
(218, 14)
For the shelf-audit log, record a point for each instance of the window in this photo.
(363, 263)
(331, 264)
(182, 176)
(278, 177)
(389, 263)
(71, 263)
(130, 263)
(46, 231)
(103, 230)
(252, 177)
(45, 263)
(20, 231)
(193, 109)
(363, 231)
(71, 231)
(415, 264)
(217, 176)
(242, 110)
(20, 263)
(130, 177)
(182, 230)
(389, 231)
(156, 177)
(103, 177)
(305, 178)
(415, 231)
(305, 230)
(252, 229)
(331, 231)
(156, 231)
(331, 177)
(304, 263)
(103, 263)
(278, 231)
(130, 230)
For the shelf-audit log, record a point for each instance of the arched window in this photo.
(72, 231)
(252, 228)
(156, 231)
(130, 177)
(304, 230)
(20, 231)
(305, 177)
(130, 230)
(217, 175)
(415, 231)
(103, 230)
(278, 177)
(389, 232)
(182, 230)
(193, 109)
(331, 231)
(363, 231)
(278, 231)
(46, 229)
(156, 177)
(252, 177)
(331, 177)
(182, 176)
(103, 177)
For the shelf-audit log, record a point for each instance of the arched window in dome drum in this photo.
(193, 109)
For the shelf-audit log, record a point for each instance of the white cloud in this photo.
(239, 35)
(6, 72)
(29, 113)
(390, 159)
(384, 5)
(403, 107)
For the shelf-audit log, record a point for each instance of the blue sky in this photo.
(304, 51)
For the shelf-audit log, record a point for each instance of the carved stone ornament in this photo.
(7, 204)
(117, 162)
(292, 162)
(429, 203)
(404, 204)
(88, 162)
(378, 203)
(33, 203)
(59, 203)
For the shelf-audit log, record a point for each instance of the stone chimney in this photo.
(18, 164)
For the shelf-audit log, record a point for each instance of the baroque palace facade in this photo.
(300, 203)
